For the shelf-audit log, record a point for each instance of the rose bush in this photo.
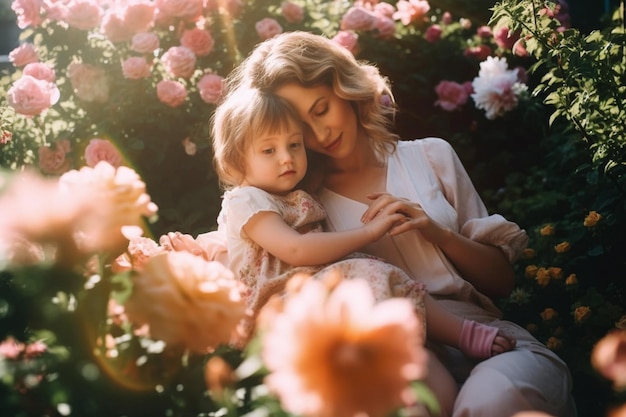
(533, 107)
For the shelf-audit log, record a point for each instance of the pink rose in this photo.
(385, 27)
(411, 11)
(138, 15)
(179, 61)
(52, 160)
(211, 87)
(292, 12)
(56, 11)
(433, 33)
(384, 9)
(358, 18)
(171, 93)
(348, 40)
(28, 12)
(23, 55)
(102, 150)
(446, 18)
(452, 95)
(198, 40)
(90, 83)
(484, 32)
(189, 10)
(40, 71)
(519, 48)
(135, 67)
(480, 52)
(114, 26)
(145, 42)
(83, 14)
(30, 96)
(504, 39)
(268, 28)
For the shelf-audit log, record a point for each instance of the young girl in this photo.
(274, 230)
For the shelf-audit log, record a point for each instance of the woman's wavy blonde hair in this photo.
(236, 121)
(312, 60)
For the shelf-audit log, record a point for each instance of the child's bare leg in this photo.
(474, 339)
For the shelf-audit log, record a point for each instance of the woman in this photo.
(450, 243)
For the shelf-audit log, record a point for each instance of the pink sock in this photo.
(477, 339)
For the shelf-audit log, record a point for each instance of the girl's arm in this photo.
(268, 230)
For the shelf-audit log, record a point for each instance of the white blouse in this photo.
(429, 172)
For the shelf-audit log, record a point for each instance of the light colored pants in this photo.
(531, 377)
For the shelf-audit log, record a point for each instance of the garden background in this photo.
(551, 158)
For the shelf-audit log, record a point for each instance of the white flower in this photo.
(496, 89)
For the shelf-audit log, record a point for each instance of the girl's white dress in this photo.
(264, 275)
(429, 172)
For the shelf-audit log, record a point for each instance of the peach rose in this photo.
(198, 40)
(23, 55)
(140, 249)
(452, 95)
(52, 160)
(186, 301)
(171, 93)
(358, 18)
(268, 28)
(135, 68)
(30, 96)
(28, 12)
(292, 12)
(411, 11)
(83, 14)
(102, 150)
(348, 40)
(120, 203)
(211, 87)
(90, 83)
(145, 42)
(179, 61)
(40, 71)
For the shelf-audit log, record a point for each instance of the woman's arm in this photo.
(269, 231)
(485, 266)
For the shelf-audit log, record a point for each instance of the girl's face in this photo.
(276, 162)
(330, 122)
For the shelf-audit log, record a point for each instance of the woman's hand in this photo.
(416, 217)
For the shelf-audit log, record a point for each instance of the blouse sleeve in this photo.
(241, 204)
(474, 221)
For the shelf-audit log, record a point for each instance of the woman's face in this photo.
(330, 123)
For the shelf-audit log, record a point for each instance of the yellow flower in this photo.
(531, 271)
(592, 219)
(581, 314)
(563, 247)
(543, 277)
(547, 230)
(554, 343)
(548, 314)
(555, 272)
(571, 280)
(342, 355)
(528, 253)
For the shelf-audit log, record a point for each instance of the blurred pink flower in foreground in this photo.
(340, 355)
(186, 301)
(609, 358)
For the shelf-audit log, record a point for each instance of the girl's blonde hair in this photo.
(312, 60)
(244, 114)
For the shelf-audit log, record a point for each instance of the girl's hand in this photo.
(176, 241)
(383, 223)
(415, 217)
